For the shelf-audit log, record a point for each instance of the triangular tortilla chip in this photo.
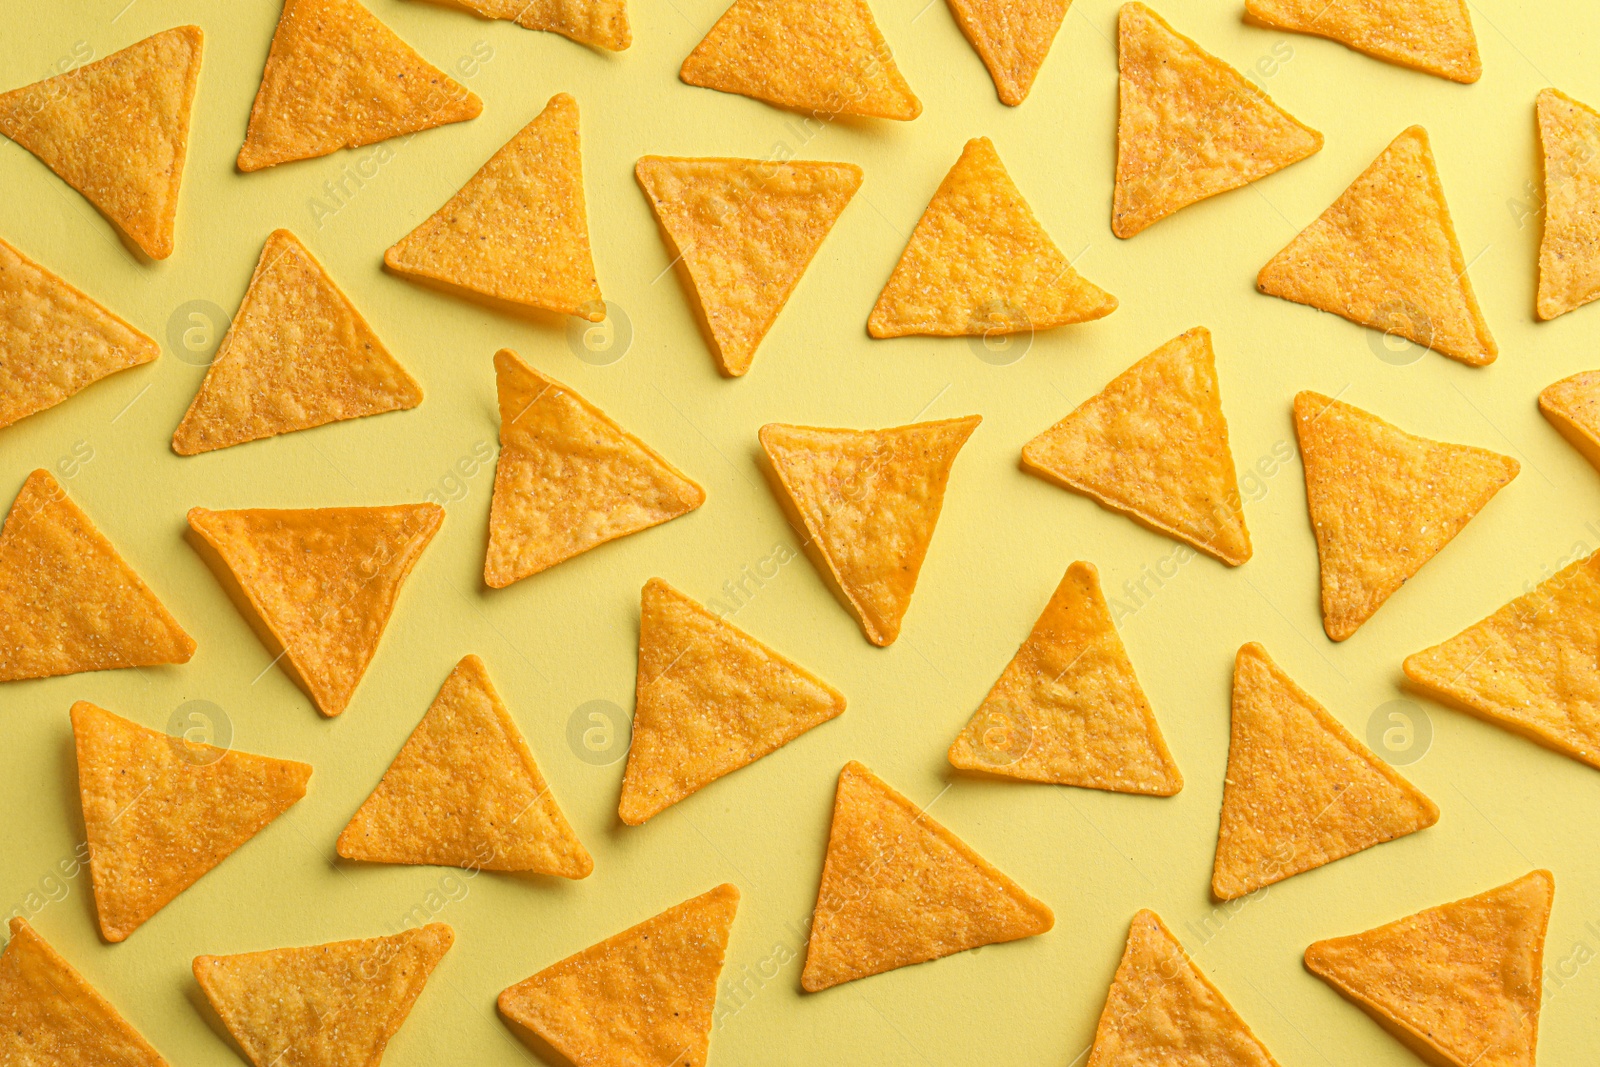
(1374, 529)
(641, 997)
(1153, 445)
(298, 355)
(601, 23)
(869, 500)
(568, 478)
(1163, 1010)
(517, 232)
(711, 699)
(465, 792)
(1569, 252)
(1300, 790)
(979, 263)
(1012, 37)
(1189, 126)
(1530, 667)
(1573, 407)
(1068, 708)
(161, 811)
(337, 78)
(1433, 36)
(54, 340)
(1458, 984)
(334, 1005)
(1385, 255)
(51, 1017)
(898, 888)
(322, 580)
(744, 230)
(117, 130)
(820, 57)
(68, 602)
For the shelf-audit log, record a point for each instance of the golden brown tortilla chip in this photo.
(1433, 36)
(1011, 38)
(1569, 252)
(1573, 407)
(601, 23)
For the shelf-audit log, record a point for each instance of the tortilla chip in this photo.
(1530, 667)
(54, 340)
(1300, 790)
(711, 699)
(68, 602)
(334, 1005)
(1573, 406)
(1153, 445)
(869, 500)
(50, 1016)
(1569, 253)
(1433, 36)
(980, 264)
(337, 78)
(1458, 984)
(1163, 1010)
(1374, 529)
(117, 130)
(161, 811)
(568, 478)
(601, 23)
(1068, 708)
(1189, 126)
(322, 580)
(516, 233)
(465, 792)
(644, 996)
(298, 355)
(1012, 39)
(743, 232)
(1385, 255)
(898, 888)
(822, 58)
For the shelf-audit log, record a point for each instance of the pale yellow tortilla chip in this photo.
(1573, 407)
(50, 1016)
(710, 699)
(640, 998)
(517, 233)
(117, 130)
(1531, 666)
(1458, 984)
(601, 23)
(1011, 38)
(68, 602)
(1153, 445)
(568, 478)
(298, 355)
(898, 888)
(1162, 1010)
(743, 231)
(1068, 708)
(334, 1005)
(322, 580)
(869, 500)
(1189, 126)
(54, 340)
(1569, 252)
(337, 78)
(980, 264)
(1300, 791)
(465, 791)
(1433, 36)
(1375, 527)
(161, 811)
(1385, 255)
(818, 57)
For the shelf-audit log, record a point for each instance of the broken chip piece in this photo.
(1434, 36)
(1569, 251)
(1012, 39)
(602, 23)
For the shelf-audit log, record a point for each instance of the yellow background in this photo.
(568, 636)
